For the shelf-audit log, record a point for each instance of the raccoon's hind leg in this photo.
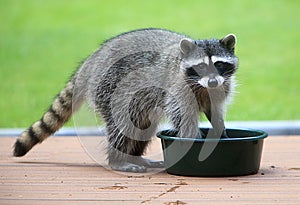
(131, 122)
(128, 139)
(124, 152)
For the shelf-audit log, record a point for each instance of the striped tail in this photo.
(56, 116)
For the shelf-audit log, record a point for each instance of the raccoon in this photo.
(137, 78)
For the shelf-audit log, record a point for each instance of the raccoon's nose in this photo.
(212, 83)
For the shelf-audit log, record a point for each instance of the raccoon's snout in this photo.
(212, 83)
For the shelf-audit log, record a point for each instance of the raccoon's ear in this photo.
(229, 41)
(186, 45)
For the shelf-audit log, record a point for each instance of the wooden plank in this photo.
(59, 171)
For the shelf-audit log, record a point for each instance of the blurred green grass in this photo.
(42, 42)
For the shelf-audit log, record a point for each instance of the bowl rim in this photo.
(260, 135)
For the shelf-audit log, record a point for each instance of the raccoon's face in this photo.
(209, 63)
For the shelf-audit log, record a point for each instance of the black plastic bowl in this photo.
(237, 155)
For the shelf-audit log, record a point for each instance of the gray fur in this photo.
(134, 80)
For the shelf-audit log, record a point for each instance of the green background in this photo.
(42, 42)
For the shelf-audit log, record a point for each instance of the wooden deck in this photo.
(60, 172)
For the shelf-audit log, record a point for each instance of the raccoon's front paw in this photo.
(200, 135)
(224, 134)
(128, 167)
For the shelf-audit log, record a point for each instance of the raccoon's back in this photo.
(151, 53)
(135, 42)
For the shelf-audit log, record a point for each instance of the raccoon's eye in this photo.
(224, 68)
(196, 70)
(191, 72)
